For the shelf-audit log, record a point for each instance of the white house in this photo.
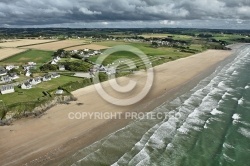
(46, 78)
(96, 52)
(5, 89)
(27, 67)
(3, 71)
(28, 73)
(55, 75)
(74, 51)
(53, 62)
(32, 63)
(13, 76)
(35, 81)
(6, 79)
(102, 68)
(9, 67)
(26, 85)
(59, 92)
(57, 58)
(61, 67)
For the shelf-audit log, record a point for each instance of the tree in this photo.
(48, 67)
(154, 44)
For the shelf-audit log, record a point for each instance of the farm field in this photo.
(37, 56)
(23, 42)
(89, 46)
(8, 52)
(54, 46)
(146, 48)
(152, 35)
(174, 36)
(111, 43)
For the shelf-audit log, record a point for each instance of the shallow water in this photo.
(208, 126)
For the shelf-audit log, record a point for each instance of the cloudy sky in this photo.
(233, 14)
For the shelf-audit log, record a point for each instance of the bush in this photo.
(72, 86)
(76, 66)
(48, 67)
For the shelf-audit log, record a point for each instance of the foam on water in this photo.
(141, 156)
(241, 101)
(247, 87)
(235, 73)
(245, 132)
(227, 158)
(228, 146)
(236, 117)
(216, 112)
(183, 130)
(226, 95)
(190, 115)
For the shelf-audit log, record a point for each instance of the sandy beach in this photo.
(49, 139)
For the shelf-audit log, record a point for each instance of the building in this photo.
(55, 75)
(28, 73)
(59, 92)
(46, 78)
(10, 67)
(31, 63)
(61, 67)
(57, 58)
(29, 67)
(26, 85)
(13, 76)
(35, 81)
(5, 79)
(53, 62)
(5, 89)
(3, 71)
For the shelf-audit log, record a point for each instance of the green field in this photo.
(227, 37)
(36, 92)
(146, 48)
(37, 56)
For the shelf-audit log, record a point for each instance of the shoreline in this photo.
(75, 135)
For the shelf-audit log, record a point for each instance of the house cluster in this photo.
(28, 67)
(55, 60)
(10, 67)
(86, 53)
(7, 77)
(109, 70)
(34, 81)
(5, 89)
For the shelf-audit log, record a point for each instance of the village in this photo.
(10, 74)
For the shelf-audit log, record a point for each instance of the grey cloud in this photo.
(51, 12)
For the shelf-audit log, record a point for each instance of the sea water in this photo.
(207, 126)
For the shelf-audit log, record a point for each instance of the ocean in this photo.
(207, 126)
